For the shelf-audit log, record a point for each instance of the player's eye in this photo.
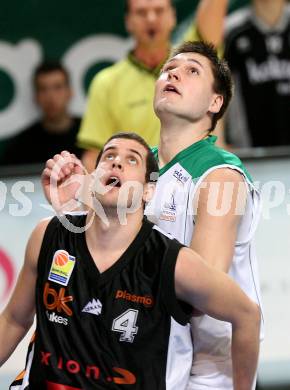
(167, 68)
(132, 160)
(141, 13)
(194, 71)
(109, 157)
(159, 11)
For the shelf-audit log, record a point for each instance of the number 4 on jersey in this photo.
(126, 325)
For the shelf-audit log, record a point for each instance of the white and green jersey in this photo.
(172, 209)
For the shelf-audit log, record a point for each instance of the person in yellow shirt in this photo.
(121, 96)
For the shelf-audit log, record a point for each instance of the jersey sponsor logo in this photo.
(180, 176)
(273, 69)
(168, 212)
(243, 44)
(93, 372)
(274, 44)
(145, 300)
(61, 268)
(52, 317)
(93, 307)
(57, 300)
(57, 386)
(171, 205)
(167, 216)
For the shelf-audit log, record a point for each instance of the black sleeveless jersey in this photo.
(120, 329)
(259, 58)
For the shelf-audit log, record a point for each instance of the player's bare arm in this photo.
(17, 317)
(219, 203)
(210, 17)
(213, 292)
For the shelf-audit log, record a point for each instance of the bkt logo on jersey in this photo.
(57, 300)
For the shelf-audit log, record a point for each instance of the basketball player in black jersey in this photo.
(113, 301)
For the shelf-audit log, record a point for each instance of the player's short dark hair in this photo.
(151, 162)
(49, 67)
(127, 5)
(223, 82)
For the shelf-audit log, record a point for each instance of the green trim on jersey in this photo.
(154, 71)
(202, 156)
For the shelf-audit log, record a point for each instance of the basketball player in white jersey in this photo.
(204, 196)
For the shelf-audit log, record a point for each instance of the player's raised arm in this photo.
(210, 16)
(63, 181)
(17, 317)
(214, 293)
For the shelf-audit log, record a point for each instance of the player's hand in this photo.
(63, 180)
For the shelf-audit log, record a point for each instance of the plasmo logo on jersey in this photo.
(146, 300)
(61, 268)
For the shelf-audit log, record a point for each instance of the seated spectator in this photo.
(258, 52)
(56, 129)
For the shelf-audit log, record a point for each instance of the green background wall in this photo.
(53, 27)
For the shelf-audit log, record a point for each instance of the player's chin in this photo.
(107, 200)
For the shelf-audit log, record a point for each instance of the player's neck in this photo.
(59, 124)
(151, 56)
(269, 11)
(174, 139)
(108, 240)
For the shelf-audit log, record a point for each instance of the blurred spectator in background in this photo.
(121, 96)
(56, 130)
(258, 51)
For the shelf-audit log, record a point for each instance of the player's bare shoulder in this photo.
(225, 175)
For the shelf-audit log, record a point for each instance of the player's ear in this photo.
(148, 192)
(216, 103)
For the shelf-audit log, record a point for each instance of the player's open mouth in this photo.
(151, 32)
(171, 88)
(113, 181)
